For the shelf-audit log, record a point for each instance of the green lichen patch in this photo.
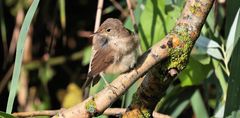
(179, 54)
(91, 106)
(196, 9)
(145, 113)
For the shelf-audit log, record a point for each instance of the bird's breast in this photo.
(122, 64)
(122, 45)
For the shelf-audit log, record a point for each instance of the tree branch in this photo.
(108, 112)
(174, 49)
(180, 42)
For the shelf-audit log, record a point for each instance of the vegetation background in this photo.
(57, 52)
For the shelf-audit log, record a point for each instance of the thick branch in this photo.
(178, 44)
(181, 41)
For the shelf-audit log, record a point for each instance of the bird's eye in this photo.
(108, 30)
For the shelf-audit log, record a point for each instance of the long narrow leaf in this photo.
(209, 46)
(233, 36)
(19, 54)
(231, 10)
(62, 13)
(233, 93)
(198, 105)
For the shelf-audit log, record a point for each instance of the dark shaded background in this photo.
(48, 37)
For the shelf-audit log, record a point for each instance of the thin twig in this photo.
(97, 24)
(53, 60)
(117, 5)
(36, 113)
(132, 16)
(108, 112)
(12, 47)
(98, 15)
(6, 78)
(84, 34)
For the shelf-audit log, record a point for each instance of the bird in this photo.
(116, 50)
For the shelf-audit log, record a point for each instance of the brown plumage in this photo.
(116, 49)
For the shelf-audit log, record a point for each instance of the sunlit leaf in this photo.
(156, 21)
(210, 47)
(137, 13)
(101, 84)
(234, 114)
(220, 112)
(231, 10)
(194, 73)
(73, 96)
(215, 53)
(220, 76)
(62, 13)
(198, 105)
(233, 36)
(206, 42)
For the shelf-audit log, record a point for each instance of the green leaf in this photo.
(231, 10)
(19, 54)
(219, 111)
(175, 101)
(194, 73)
(137, 13)
(211, 22)
(5, 115)
(206, 42)
(101, 84)
(220, 76)
(234, 114)
(209, 46)
(156, 21)
(198, 105)
(86, 55)
(233, 92)
(233, 37)
(62, 10)
(179, 109)
(46, 73)
(129, 94)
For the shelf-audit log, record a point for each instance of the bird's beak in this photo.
(93, 34)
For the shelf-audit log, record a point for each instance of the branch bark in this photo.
(108, 112)
(166, 58)
(180, 42)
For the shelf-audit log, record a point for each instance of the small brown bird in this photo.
(116, 50)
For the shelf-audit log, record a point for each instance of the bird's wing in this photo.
(101, 60)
